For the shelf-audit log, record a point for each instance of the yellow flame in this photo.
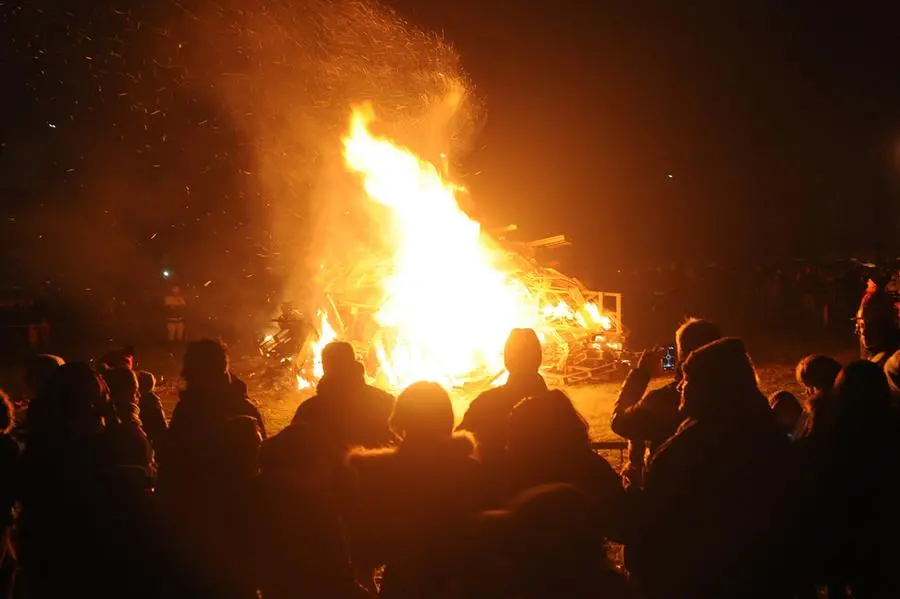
(448, 305)
(326, 336)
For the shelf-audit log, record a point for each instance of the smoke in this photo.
(291, 73)
(211, 131)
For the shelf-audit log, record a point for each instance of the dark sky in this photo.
(646, 131)
(775, 120)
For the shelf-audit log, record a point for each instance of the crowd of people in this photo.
(724, 495)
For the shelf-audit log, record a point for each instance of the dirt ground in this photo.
(278, 402)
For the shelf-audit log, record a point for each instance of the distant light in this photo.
(51, 125)
(669, 175)
(166, 274)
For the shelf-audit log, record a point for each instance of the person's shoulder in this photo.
(380, 395)
(686, 435)
(666, 396)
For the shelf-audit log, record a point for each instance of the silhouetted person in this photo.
(122, 357)
(855, 490)
(301, 468)
(130, 446)
(72, 488)
(488, 413)
(788, 413)
(710, 520)
(415, 503)
(817, 374)
(175, 307)
(211, 396)
(556, 546)
(9, 488)
(38, 369)
(549, 442)
(355, 413)
(877, 321)
(217, 540)
(648, 419)
(150, 409)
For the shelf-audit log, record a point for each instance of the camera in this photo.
(668, 358)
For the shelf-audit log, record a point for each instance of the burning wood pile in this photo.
(438, 302)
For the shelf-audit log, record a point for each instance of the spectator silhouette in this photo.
(129, 444)
(857, 497)
(549, 442)
(122, 357)
(150, 410)
(788, 413)
(648, 419)
(9, 481)
(709, 523)
(877, 321)
(217, 525)
(301, 468)
(556, 545)
(817, 374)
(488, 413)
(212, 395)
(414, 503)
(74, 506)
(38, 369)
(355, 413)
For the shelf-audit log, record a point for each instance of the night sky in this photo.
(648, 134)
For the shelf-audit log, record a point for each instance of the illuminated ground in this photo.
(595, 402)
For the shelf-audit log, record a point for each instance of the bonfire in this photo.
(438, 302)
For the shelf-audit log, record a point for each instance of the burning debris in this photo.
(438, 301)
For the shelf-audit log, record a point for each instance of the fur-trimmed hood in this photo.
(459, 446)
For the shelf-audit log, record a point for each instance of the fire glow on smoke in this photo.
(448, 306)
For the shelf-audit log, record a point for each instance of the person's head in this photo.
(861, 388)
(74, 398)
(547, 427)
(692, 334)
(118, 358)
(423, 412)
(176, 290)
(339, 361)
(817, 373)
(7, 414)
(38, 369)
(146, 382)
(205, 363)
(719, 380)
(553, 536)
(787, 410)
(123, 392)
(522, 353)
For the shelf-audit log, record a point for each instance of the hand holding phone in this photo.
(668, 359)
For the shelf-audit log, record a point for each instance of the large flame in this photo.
(448, 304)
(448, 307)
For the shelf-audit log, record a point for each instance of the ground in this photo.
(595, 402)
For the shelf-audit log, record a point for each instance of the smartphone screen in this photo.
(668, 359)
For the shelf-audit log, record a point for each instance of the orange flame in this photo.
(448, 303)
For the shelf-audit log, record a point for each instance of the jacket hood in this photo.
(458, 446)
